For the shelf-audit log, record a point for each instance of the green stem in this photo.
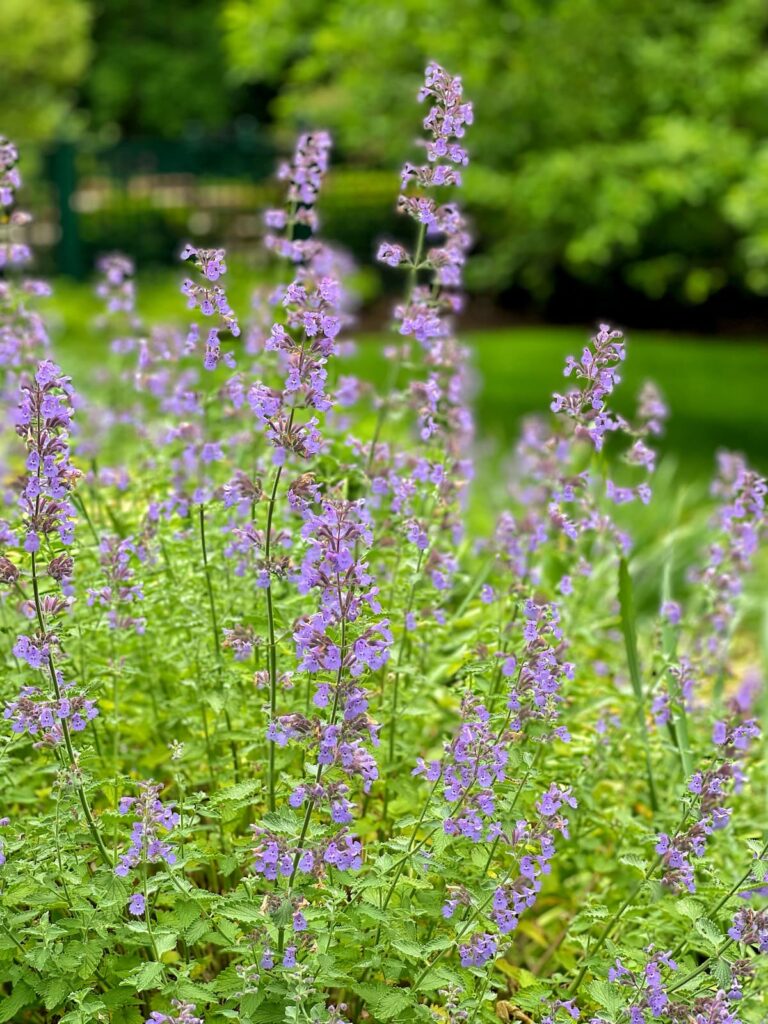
(65, 730)
(400, 653)
(216, 640)
(401, 864)
(627, 607)
(271, 632)
(318, 776)
(396, 363)
(467, 925)
(147, 919)
(702, 966)
(721, 903)
(602, 938)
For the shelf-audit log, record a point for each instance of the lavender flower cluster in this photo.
(410, 767)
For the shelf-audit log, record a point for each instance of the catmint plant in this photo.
(289, 734)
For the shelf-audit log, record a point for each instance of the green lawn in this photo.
(716, 389)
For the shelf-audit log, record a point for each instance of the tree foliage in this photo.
(621, 137)
(44, 49)
(158, 68)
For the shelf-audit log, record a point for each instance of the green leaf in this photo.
(690, 907)
(242, 912)
(723, 974)
(241, 793)
(56, 991)
(604, 993)
(148, 975)
(442, 942)
(165, 941)
(408, 947)
(281, 821)
(708, 930)
(392, 1003)
(634, 860)
(21, 996)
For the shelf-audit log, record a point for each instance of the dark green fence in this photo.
(146, 198)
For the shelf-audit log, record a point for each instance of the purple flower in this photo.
(649, 988)
(136, 904)
(184, 1013)
(672, 612)
(598, 370)
(289, 957)
(211, 300)
(751, 928)
(43, 421)
(299, 922)
(35, 713)
(479, 950)
(151, 817)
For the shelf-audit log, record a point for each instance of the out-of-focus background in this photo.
(619, 169)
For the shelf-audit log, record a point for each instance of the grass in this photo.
(716, 390)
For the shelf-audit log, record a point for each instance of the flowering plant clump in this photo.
(302, 725)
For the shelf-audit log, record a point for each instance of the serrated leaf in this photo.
(708, 930)
(723, 974)
(241, 912)
(21, 996)
(634, 860)
(56, 991)
(596, 913)
(373, 912)
(689, 907)
(391, 1003)
(240, 792)
(442, 942)
(183, 914)
(280, 821)
(604, 993)
(148, 975)
(408, 947)
(165, 941)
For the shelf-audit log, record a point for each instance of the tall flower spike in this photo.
(23, 336)
(598, 369)
(148, 844)
(12, 253)
(338, 644)
(312, 303)
(211, 299)
(740, 520)
(304, 174)
(422, 315)
(43, 421)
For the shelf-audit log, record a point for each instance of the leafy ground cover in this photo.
(292, 732)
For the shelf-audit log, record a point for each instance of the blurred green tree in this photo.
(619, 137)
(44, 49)
(158, 68)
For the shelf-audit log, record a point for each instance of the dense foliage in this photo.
(619, 139)
(620, 143)
(41, 65)
(285, 741)
(154, 72)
